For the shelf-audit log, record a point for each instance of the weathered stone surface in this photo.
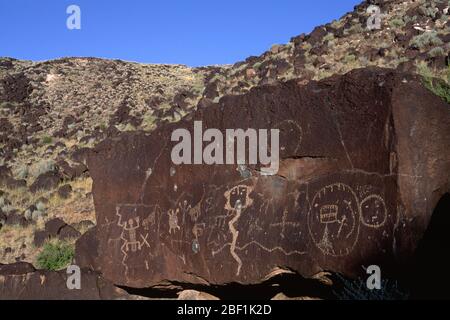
(86, 250)
(365, 159)
(20, 281)
(54, 226)
(68, 232)
(40, 237)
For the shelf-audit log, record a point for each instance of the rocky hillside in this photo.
(53, 113)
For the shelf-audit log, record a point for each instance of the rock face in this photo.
(20, 281)
(364, 160)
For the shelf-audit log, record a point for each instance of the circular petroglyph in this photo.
(373, 211)
(291, 134)
(333, 219)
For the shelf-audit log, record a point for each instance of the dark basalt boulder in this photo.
(5, 173)
(86, 250)
(20, 281)
(12, 183)
(54, 226)
(68, 232)
(364, 160)
(65, 191)
(46, 181)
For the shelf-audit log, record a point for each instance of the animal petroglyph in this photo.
(373, 211)
(173, 220)
(333, 219)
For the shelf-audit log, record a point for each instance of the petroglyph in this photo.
(129, 221)
(286, 253)
(173, 220)
(289, 129)
(285, 223)
(237, 200)
(333, 219)
(373, 211)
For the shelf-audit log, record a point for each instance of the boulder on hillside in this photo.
(364, 159)
(46, 181)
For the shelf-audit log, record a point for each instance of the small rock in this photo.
(54, 226)
(195, 295)
(40, 237)
(46, 181)
(83, 225)
(68, 232)
(16, 219)
(65, 191)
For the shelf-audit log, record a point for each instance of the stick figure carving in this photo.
(129, 235)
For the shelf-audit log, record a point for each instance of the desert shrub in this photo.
(328, 37)
(47, 140)
(357, 290)
(397, 23)
(148, 121)
(426, 39)
(428, 11)
(43, 166)
(436, 52)
(257, 65)
(22, 172)
(55, 256)
(440, 87)
(36, 214)
(356, 28)
(349, 58)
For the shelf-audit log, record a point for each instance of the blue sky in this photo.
(191, 32)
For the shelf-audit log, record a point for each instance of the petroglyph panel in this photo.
(225, 223)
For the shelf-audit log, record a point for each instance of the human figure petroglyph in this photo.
(237, 199)
(129, 235)
(284, 223)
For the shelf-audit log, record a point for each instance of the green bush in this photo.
(440, 87)
(55, 256)
(436, 52)
(396, 23)
(429, 11)
(426, 39)
(47, 140)
(349, 58)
